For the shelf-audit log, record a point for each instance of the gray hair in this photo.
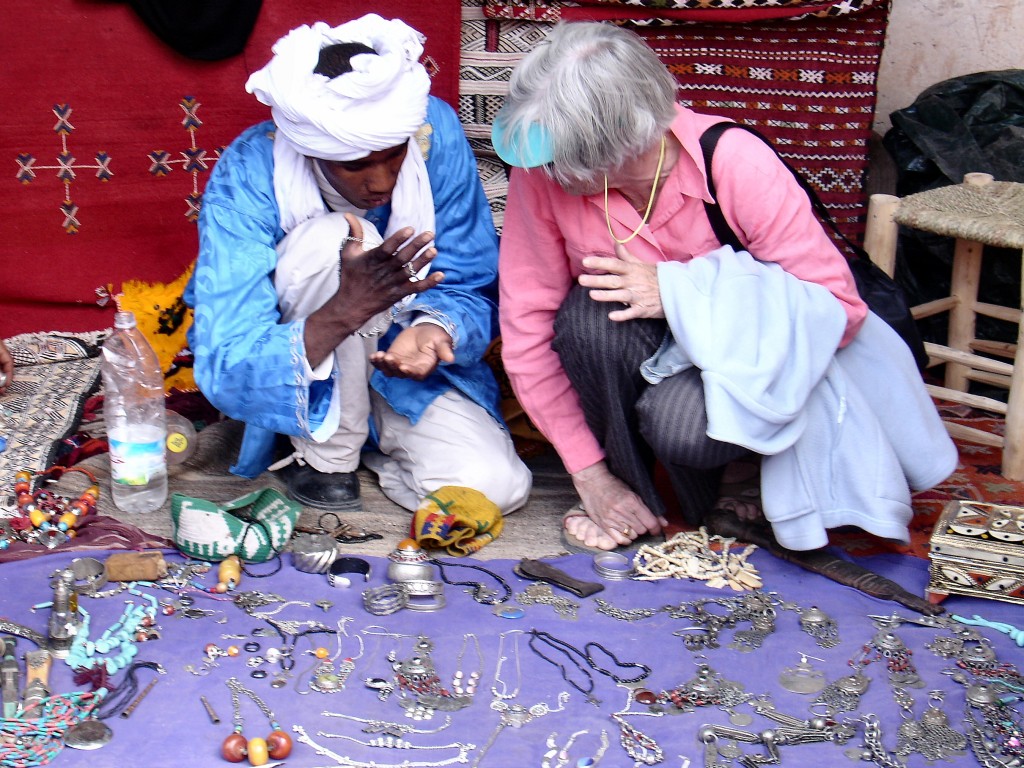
(599, 91)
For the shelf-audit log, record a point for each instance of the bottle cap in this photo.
(181, 438)
(124, 319)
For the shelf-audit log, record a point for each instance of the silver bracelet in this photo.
(313, 553)
(385, 600)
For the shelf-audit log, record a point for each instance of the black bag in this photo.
(880, 292)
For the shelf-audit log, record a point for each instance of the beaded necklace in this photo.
(650, 202)
(37, 738)
(235, 747)
(118, 640)
(481, 593)
(46, 517)
(583, 660)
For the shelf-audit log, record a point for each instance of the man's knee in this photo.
(507, 484)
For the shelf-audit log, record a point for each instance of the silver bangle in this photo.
(342, 571)
(90, 575)
(422, 587)
(313, 553)
(426, 603)
(613, 566)
(385, 600)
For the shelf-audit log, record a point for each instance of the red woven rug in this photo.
(109, 136)
(976, 478)
(809, 85)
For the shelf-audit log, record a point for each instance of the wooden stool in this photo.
(976, 213)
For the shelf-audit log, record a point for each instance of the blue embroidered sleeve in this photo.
(467, 253)
(248, 364)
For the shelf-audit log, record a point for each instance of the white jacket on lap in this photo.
(845, 434)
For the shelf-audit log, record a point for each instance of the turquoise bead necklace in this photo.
(115, 648)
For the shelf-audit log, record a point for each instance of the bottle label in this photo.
(134, 462)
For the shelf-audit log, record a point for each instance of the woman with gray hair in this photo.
(611, 274)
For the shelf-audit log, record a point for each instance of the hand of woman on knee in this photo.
(613, 507)
(624, 279)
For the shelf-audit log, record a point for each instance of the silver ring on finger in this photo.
(410, 270)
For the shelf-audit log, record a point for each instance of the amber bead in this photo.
(279, 744)
(408, 545)
(234, 748)
(643, 696)
(258, 753)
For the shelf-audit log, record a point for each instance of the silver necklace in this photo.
(502, 658)
(386, 727)
(460, 757)
(516, 716)
(462, 685)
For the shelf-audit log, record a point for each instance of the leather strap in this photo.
(537, 570)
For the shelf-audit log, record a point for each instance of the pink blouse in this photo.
(547, 233)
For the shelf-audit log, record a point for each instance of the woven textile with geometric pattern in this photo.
(808, 84)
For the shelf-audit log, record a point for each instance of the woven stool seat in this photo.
(991, 213)
(976, 213)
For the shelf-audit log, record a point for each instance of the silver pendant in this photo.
(88, 734)
(802, 678)
(819, 625)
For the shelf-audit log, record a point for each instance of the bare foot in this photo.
(587, 531)
(746, 509)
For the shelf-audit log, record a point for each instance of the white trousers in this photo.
(455, 442)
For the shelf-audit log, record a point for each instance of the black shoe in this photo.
(332, 491)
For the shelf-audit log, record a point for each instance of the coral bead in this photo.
(24, 498)
(258, 752)
(92, 492)
(279, 744)
(234, 748)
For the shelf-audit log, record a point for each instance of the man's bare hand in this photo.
(370, 282)
(627, 280)
(415, 352)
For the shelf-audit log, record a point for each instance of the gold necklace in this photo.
(650, 202)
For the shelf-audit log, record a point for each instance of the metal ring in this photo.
(410, 270)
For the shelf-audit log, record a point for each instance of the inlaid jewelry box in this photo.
(977, 549)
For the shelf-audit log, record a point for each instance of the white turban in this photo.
(381, 103)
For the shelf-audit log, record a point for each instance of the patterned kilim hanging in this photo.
(810, 85)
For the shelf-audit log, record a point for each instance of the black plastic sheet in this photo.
(968, 124)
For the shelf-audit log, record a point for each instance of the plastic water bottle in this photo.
(133, 407)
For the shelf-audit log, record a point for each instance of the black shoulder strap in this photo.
(724, 233)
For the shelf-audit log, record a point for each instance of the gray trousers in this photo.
(639, 423)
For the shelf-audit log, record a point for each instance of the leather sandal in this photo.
(576, 545)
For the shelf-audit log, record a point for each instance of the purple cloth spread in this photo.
(170, 727)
